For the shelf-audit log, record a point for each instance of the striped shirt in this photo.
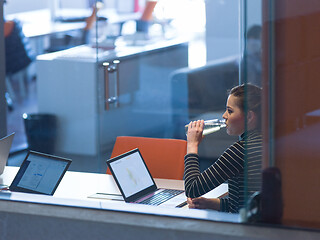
(231, 167)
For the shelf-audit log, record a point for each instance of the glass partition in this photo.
(289, 56)
(291, 83)
(251, 75)
(124, 68)
(97, 70)
(103, 69)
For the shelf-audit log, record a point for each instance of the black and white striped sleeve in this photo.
(229, 164)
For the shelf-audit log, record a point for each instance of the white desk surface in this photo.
(38, 23)
(182, 223)
(88, 53)
(75, 188)
(80, 185)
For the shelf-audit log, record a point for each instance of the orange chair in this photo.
(164, 157)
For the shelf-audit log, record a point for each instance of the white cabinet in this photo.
(71, 85)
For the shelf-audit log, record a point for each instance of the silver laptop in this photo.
(5, 145)
(136, 184)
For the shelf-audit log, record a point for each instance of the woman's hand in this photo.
(194, 135)
(204, 203)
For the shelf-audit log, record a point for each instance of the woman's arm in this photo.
(204, 203)
(194, 136)
(229, 164)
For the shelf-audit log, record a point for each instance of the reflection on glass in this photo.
(253, 55)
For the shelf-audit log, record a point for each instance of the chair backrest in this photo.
(19, 53)
(164, 157)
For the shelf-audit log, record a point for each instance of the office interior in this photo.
(147, 74)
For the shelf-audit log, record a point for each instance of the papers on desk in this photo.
(3, 187)
(107, 196)
(219, 191)
(71, 19)
(175, 202)
(137, 39)
(84, 52)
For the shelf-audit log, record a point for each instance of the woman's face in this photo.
(234, 117)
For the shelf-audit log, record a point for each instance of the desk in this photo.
(38, 25)
(80, 185)
(41, 217)
(47, 217)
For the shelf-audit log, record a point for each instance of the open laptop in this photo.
(136, 183)
(5, 145)
(40, 173)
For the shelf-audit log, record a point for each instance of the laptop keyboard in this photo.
(161, 197)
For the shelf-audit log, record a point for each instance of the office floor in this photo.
(21, 104)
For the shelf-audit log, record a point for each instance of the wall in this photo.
(223, 25)
(39, 221)
(296, 74)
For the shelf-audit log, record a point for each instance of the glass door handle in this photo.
(111, 85)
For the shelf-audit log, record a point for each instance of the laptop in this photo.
(5, 145)
(40, 173)
(136, 184)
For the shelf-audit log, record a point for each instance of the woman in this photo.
(244, 156)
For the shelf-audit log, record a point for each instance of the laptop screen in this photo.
(5, 145)
(131, 173)
(40, 173)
